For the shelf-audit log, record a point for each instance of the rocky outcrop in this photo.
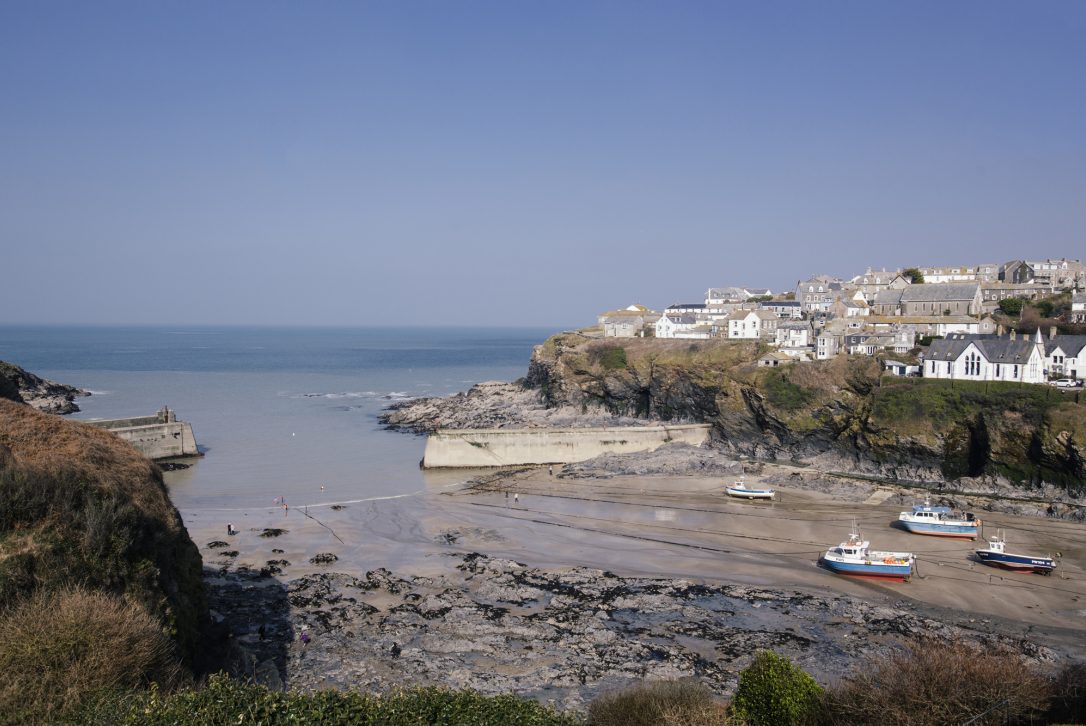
(493, 404)
(839, 415)
(22, 386)
(498, 626)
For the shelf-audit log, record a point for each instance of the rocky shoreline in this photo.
(493, 404)
(23, 386)
(495, 625)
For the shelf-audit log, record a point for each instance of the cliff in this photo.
(80, 507)
(841, 415)
(22, 386)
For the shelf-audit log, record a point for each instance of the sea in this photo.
(278, 412)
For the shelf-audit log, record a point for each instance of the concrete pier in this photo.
(510, 447)
(157, 437)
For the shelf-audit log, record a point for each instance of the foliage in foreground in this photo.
(937, 685)
(660, 703)
(226, 701)
(58, 650)
(773, 691)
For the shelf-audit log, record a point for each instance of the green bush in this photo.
(661, 703)
(1012, 305)
(773, 691)
(608, 357)
(226, 701)
(784, 394)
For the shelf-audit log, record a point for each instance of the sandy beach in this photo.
(552, 534)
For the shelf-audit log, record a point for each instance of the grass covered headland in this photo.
(100, 586)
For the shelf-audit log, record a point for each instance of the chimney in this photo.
(1014, 334)
(1052, 331)
(999, 331)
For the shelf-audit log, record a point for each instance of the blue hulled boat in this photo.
(940, 522)
(996, 554)
(854, 557)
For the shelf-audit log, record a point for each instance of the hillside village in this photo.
(941, 322)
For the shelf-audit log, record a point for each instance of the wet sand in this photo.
(666, 527)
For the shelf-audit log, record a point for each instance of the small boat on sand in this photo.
(996, 554)
(854, 557)
(739, 489)
(940, 522)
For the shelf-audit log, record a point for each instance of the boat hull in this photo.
(870, 569)
(750, 493)
(1018, 563)
(941, 529)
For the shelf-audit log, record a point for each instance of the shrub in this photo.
(226, 701)
(936, 684)
(784, 394)
(610, 358)
(1068, 689)
(773, 691)
(1012, 305)
(660, 703)
(59, 650)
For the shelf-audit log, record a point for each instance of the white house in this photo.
(1020, 360)
(794, 334)
(752, 324)
(671, 323)
(1065, 356)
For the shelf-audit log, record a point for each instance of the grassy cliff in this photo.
(90, 548)
(844, 410)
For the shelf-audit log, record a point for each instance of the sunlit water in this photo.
(279, 412)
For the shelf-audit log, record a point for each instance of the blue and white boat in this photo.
(940, 522)
(855, 557)
(740, 490)
(996, 554)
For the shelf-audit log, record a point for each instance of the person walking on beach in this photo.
(230, 528)
(516, 498)
(550, 470)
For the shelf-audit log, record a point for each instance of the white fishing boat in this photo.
(740, 491)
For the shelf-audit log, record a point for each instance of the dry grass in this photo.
(659, 703)
(61, 649)
(937, 685)
(50, 445)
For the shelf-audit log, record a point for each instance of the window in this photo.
(1015, 372)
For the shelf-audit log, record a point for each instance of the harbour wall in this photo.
(512, 447)
(157, 437)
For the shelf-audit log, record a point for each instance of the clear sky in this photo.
(516, 162)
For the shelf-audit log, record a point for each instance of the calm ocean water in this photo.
(280, 412)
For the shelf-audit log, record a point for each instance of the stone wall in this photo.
(512, 447)
(157, 437)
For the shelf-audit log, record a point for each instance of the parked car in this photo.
(1066, 383)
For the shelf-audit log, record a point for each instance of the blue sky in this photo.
(505, 163)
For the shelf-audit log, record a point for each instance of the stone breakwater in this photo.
(563, 637)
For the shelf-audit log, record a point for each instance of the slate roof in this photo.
(684, 319)
(1078, 297)
(995, 350)
(942, 292)
(1071, 345)
(889, 296)
(692, 306)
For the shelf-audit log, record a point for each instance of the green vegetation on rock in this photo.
(773, 691)
(225, 701)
